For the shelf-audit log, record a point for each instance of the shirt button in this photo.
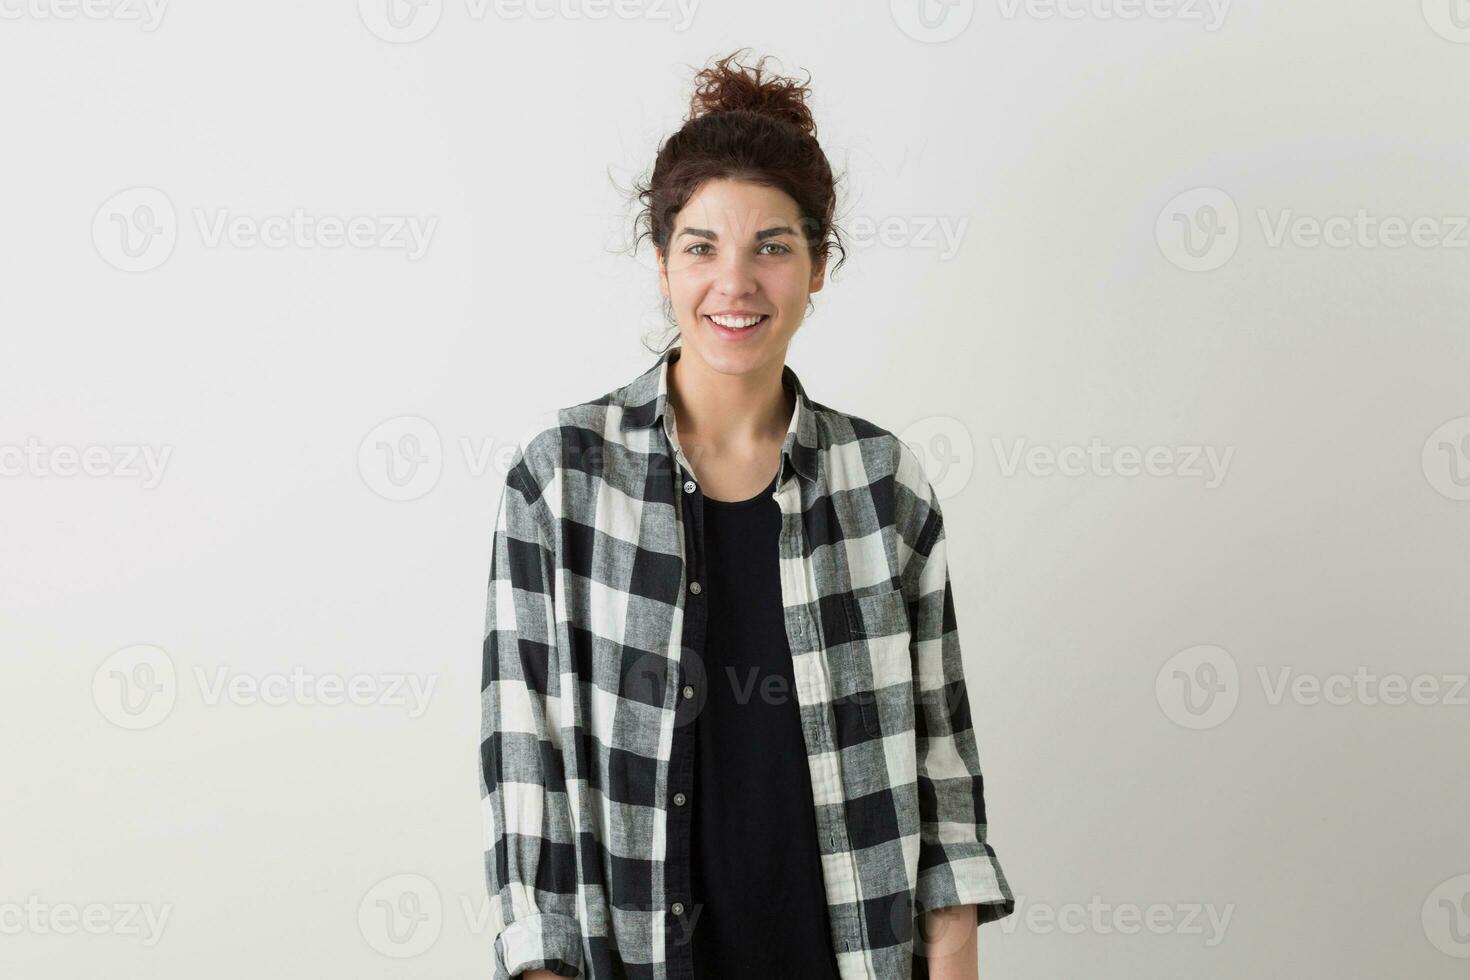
(696, 588)
(678, 799)
(688, 692)
(688, 486)
(678, 908)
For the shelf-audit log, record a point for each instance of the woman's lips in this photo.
(736, 333)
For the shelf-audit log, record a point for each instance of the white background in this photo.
(273, 835)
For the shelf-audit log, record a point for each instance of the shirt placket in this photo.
(678, 884)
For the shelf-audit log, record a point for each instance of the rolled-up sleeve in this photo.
(957, 866)
(530, 860)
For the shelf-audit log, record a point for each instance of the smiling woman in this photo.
(726, 730)
(744, 177)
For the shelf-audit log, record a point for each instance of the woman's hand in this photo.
(540, 975)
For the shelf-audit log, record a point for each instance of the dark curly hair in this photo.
(746, 124)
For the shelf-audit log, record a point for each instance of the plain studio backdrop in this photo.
(1170, 296)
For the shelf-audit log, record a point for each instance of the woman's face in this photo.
(738, 248)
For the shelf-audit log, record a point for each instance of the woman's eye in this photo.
(783, 248)
(691, 248)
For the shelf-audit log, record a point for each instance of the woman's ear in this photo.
(663, 272)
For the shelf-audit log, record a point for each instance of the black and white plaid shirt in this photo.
(594, 635)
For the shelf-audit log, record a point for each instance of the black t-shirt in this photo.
(756, 874)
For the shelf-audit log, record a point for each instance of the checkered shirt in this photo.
(591, 678)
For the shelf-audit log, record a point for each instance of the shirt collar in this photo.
(645, 401)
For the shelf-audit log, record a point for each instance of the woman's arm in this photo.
(951, 940)
(530, 846)
(957, 865)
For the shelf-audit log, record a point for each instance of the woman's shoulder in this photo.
(576, 435)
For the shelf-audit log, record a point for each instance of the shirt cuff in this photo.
(973, 878)
(546, 941)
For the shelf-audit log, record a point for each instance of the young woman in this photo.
(726, 730)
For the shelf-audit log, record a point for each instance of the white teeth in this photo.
(737, 322)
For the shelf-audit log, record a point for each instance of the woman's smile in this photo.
(736, 328)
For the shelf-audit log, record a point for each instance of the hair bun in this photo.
(728, 86)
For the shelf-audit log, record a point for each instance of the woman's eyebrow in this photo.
(759, 236)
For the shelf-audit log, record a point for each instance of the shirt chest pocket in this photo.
(882, 671)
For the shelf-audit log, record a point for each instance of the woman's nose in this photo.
(736, 275)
